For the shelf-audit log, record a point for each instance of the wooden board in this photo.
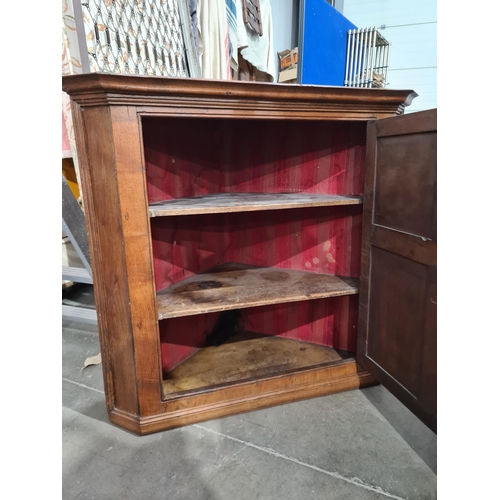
(247, 202)
(246, 356)
(236, 286)
(305, 152)
(218, 98)
(398, 297)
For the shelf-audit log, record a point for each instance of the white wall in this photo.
(285, 26)
(411, 27)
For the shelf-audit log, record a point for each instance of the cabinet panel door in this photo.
(398, 304)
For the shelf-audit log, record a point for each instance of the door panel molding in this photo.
(398, 309)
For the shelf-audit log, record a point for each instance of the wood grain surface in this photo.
(236, 286)
(398, 303)
(145, 139)
(245, 356)
(250, 100)
(247, 202)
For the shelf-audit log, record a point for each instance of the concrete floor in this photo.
(354, 445)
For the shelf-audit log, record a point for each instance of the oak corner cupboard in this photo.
(255, 244)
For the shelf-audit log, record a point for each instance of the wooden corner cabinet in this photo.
(254, 244)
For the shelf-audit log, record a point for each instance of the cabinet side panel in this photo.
(88, 202)
(109, 269)
(134, 214)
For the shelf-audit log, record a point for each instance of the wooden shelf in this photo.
(237, 286)
(247, 202)
(137, 133)
(247, 356)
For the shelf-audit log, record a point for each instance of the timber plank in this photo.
(247, 202)
(236, 286)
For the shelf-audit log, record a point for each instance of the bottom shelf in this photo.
(246, 356)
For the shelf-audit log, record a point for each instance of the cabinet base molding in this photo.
(310, 383)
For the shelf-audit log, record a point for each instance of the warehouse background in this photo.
(411, 27)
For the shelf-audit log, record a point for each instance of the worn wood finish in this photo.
(247, 202)
(251, 15)
(104, 319)
(407, 125)
(420, 250)
(397, 326)
(249, 100)
(322, 240)
(249, 396)
(320, 158)
(237, 286)
(101, 199)
(136, 242)
(115, 120)
(293, 157)
(243, 357)
(405, 196)
(118, 225)
(326, 322)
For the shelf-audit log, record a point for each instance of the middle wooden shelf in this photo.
(247, 202)
(237, 286)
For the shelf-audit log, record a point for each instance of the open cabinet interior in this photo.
(256, 241)
(225, 228)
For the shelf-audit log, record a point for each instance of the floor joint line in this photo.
(355, 481)
(83, 385)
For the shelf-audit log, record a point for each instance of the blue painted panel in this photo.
(323, 51)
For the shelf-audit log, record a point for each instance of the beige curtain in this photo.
(213, 39)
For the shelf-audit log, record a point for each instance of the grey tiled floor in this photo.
(355, 445)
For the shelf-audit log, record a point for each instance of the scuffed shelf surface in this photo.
(236, 286)
(244, 357)
(247, 202)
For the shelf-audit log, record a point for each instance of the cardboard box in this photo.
(288, 58)
(288, 76)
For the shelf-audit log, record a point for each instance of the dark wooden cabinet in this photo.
(398, 303)
(231, 252)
